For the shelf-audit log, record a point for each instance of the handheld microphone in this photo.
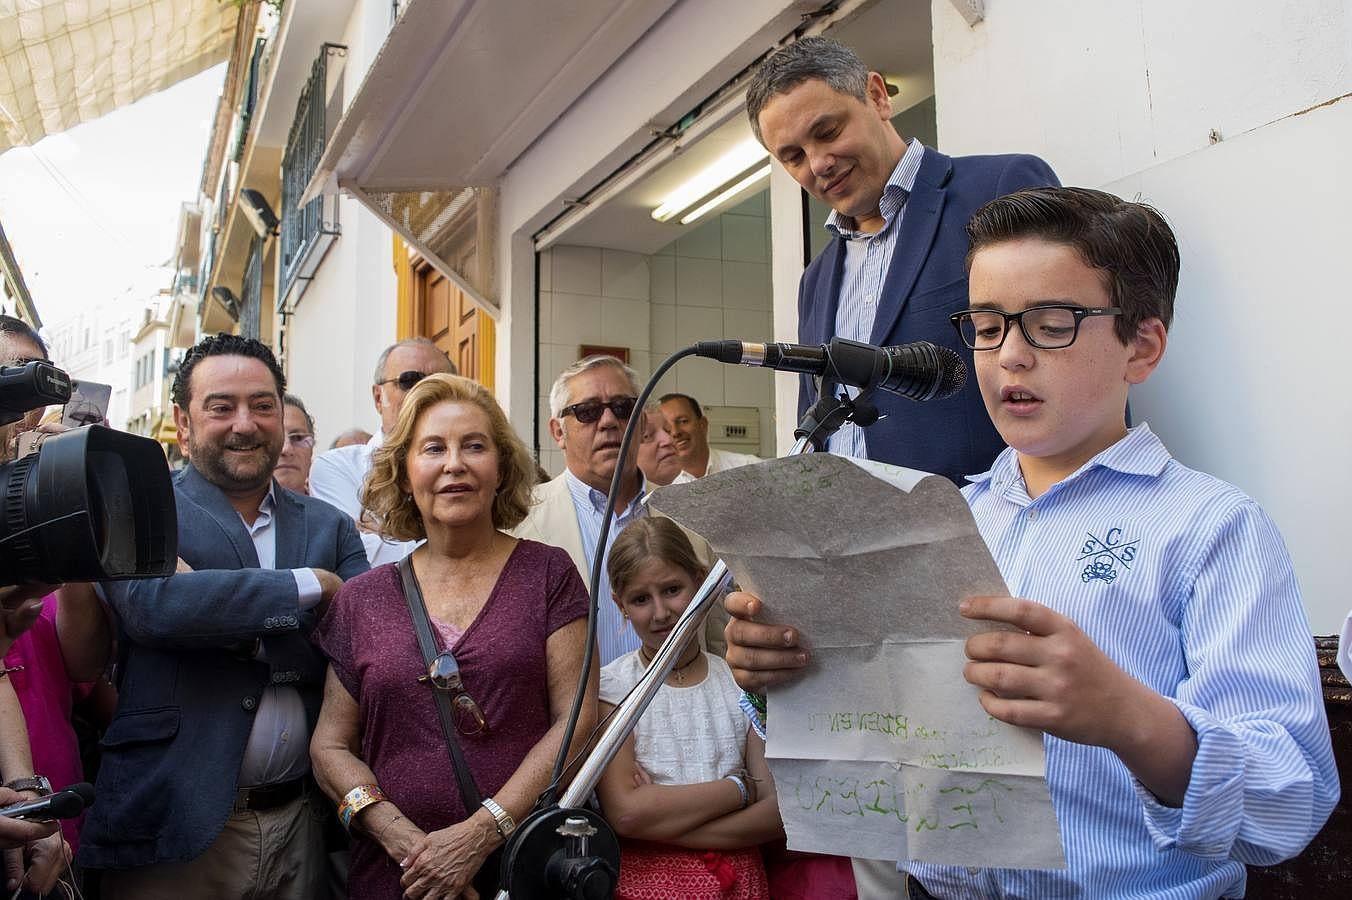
(65, 804)
(916, 371)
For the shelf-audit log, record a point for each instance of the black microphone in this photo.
(65, 804)
(916, 371)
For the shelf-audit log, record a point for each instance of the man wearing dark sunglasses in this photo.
(336, 476)
(590, 405)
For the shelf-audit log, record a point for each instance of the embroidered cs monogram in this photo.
(1105, 554)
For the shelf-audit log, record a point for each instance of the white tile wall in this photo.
(662, 277)
(589, 296)
(576, 319)
(703, 241)
(745, 238)
(576, 270)
(624, 275)
(711, 283)
(746, 285)
(699, 282)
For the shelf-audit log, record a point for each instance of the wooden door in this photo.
(443, 313)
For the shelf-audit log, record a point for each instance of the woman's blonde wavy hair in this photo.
(385, 494)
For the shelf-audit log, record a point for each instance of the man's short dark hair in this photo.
(20, 328)
(1130, 243)
(293, 400)
(694, 404)
(812, 57)
(223, 345)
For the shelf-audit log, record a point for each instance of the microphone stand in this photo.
(569, 850)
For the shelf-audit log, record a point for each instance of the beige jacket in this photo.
(553, 520)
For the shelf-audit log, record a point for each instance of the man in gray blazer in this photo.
(204, 785)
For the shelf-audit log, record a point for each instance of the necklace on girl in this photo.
(678, 672)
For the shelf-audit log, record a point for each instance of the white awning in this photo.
(458, 91)
(63, 62)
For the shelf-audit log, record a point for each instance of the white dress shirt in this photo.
(279, 744)
(720, 461)
(337, 476)
(614, 634)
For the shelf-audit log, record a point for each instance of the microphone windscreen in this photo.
(953, 373)
(84, 790)
(65, 805)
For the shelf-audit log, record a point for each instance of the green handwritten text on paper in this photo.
(921, 808)
(901, 726)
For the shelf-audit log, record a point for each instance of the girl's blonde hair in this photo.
(641, 540)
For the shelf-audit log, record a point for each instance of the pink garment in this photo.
(369, 639)
(808, 876)
(45, 695)
(450, 635)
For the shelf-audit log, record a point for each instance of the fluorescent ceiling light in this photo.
(762, 172)
(725, 168)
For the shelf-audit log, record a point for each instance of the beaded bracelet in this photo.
(741, 786)
(357, 799)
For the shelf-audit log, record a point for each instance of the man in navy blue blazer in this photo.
(203, 788)
(896, 269)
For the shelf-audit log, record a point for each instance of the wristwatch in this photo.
(35, 783)
(505, 824)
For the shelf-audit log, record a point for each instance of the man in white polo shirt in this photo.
(690, 431)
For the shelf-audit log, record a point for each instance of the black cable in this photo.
(549, 795)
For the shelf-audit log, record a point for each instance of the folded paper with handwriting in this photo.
(881, 750)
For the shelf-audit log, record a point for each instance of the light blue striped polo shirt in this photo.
(867, 259)
(1185, 583)
(614, 635)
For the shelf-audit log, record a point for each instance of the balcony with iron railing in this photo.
(308, 231)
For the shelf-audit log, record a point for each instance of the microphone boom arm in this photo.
(532, 862)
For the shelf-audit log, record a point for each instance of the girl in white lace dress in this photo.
(689, 792)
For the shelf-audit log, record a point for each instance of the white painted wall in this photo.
(346, 318)
(1104, 89)
(348, 314)
(1124, 96)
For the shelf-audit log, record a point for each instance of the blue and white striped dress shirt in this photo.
(614, 635)
(1185, 583)
(867, 259)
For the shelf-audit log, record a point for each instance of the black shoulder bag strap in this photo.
(422, 626)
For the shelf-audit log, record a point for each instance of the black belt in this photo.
(269, 796)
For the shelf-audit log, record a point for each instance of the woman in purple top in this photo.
(513, 614)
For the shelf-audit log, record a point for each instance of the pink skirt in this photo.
(662, 872)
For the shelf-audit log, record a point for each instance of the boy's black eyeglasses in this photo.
(591, 411)
(406, 380)
(443, 673)
(1049, 327)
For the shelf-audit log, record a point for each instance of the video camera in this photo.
(92, 504)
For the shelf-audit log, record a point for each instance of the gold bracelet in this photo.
(357, 799)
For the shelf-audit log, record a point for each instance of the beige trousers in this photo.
(273, 854)
(877, 879)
